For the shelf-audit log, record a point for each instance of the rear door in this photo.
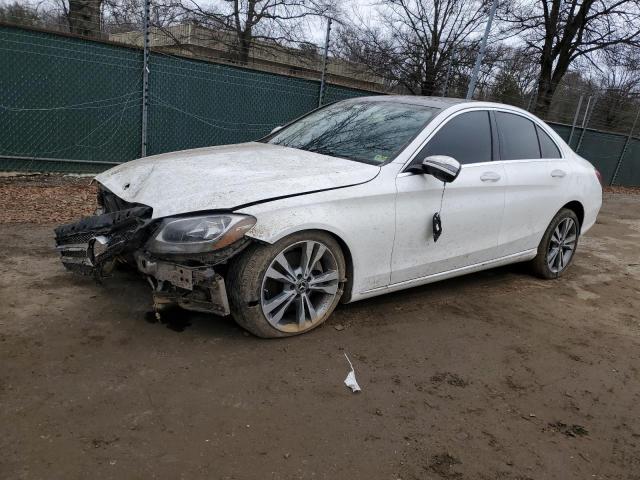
(536, 176)
(472, 206)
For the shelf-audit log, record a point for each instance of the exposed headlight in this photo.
(200, 234)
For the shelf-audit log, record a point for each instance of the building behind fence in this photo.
(70, 104)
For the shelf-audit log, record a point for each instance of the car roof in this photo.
(442, 103)
(436, 102)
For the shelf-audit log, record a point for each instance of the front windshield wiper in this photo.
(326, 151)
(320, 150)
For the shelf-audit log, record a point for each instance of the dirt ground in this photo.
(497, 375)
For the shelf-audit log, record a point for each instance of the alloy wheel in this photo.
(300, 286)
(562, 245)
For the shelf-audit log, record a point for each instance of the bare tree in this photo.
(250, 21)
(412, 41)
(19, 13)
(619, 85)
(514, 74)
(563, 31)
(85, 17)
(127, 15)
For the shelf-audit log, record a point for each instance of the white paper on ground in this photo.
(350, 381)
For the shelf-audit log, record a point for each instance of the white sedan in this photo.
(356, 199)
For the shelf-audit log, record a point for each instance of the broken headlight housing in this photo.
(200, 234)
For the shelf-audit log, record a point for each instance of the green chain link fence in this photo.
(69, 104)
(605, 150)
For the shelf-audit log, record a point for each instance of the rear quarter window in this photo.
(548, 148)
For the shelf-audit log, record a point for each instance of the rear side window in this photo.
(518, 138)
(466, 137)
(547, 146)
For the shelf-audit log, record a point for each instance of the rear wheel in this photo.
(289, 287)
(558, 245)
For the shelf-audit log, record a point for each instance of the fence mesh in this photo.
(72, 104)
(195, 103)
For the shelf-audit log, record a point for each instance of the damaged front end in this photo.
(177, 255)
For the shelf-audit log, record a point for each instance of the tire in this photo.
(257, 280)
(545, 264)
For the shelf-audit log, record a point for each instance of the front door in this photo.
(472, 206)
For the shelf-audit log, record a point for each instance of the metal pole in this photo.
(145, 76)
(324, 62)
(624, 149)
(483, 47)
(575, 119)
(585, 122)
(445, 88)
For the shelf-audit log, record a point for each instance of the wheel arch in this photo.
(344, 246)
(348, 260)
(577, 208)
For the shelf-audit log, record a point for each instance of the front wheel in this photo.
(287, 288)
(558, 245)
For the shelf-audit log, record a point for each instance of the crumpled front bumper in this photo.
(93, 245)
(197, 288)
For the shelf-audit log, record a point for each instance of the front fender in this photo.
(362, 217)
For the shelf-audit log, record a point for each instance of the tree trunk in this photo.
(85, 17)
(428, 84)
(544, 95)
(549, 80)
(243, 48)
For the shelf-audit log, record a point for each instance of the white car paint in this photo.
(470, 227)
(224, 177)
(474, 223)
(382, 216)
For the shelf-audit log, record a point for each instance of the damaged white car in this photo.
(356, 199)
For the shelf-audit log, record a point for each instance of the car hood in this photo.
(228, 177)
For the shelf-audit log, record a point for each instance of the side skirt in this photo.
(498, 262)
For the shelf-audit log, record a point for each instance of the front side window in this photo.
(466, 137)
(366, 131)
(518, 138)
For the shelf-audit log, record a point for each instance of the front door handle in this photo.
(558, 173)
(490, 177)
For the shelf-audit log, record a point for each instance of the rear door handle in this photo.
(558, 173)
(490, 177)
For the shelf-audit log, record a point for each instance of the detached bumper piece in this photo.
(197, 288)
(91, 246)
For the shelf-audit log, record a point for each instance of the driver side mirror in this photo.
(444, 168)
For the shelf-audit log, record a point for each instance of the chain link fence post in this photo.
(575, 119)
(585, 121)
(145, 77)
(624, 149)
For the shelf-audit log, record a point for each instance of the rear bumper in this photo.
(591, 214)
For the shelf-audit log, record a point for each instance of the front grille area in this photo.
(78, 238)
(122, 229)
(76, 253)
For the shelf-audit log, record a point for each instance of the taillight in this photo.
(599, 175)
